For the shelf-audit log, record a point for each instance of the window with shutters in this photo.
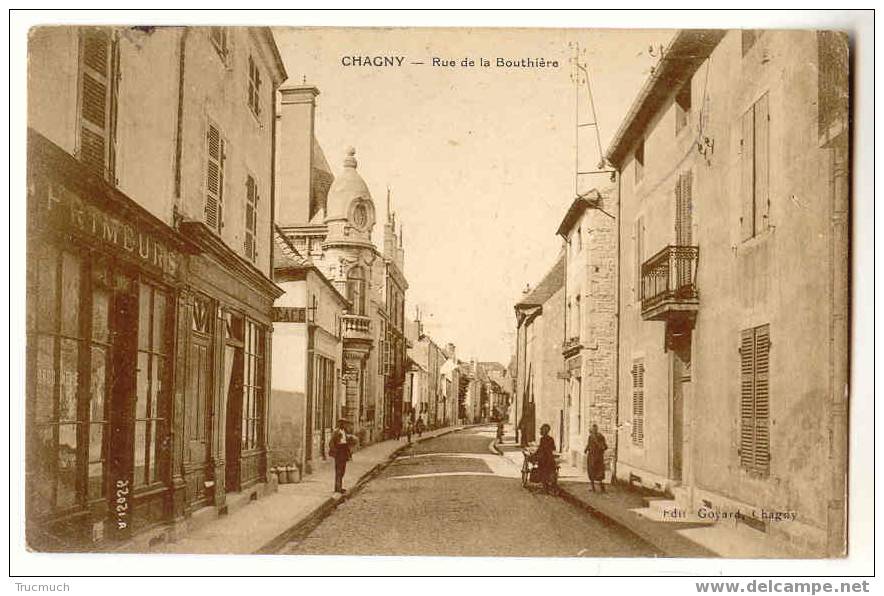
(639, 159)
(251, 234)
(254, 87)
(755, 169)
(215, 157)
(754, 449)
(638, 402)
(684, 210)
(218, 37)
(639, 240)
(99, 64)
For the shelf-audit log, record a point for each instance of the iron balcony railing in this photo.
(670, 276)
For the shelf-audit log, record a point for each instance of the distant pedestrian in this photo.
(595, 457)
(409, 428)
(340, 448)
(420, 426)
(545, 456)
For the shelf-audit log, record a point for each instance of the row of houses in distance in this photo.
(443, 390)
(698, 310)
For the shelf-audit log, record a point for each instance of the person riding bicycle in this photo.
(545, 457)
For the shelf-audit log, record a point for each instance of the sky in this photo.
(480, 160)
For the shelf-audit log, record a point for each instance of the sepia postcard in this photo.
(498, 292)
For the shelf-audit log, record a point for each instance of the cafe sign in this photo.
(67, 210)
(289, 314)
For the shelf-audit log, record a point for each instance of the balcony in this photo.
(669, 284)
(356, 327)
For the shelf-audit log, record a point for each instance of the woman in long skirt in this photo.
(595, 457)
(545, 456)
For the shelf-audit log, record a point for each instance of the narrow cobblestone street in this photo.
(452, 495)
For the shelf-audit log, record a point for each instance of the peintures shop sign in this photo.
(67, 210)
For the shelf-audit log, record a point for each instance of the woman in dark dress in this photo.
(545, 456)
(595, 457)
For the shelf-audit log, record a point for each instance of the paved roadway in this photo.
(452, 496)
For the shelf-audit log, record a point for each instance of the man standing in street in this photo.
(340, 449)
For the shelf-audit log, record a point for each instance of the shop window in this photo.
(99, 393)
(99, 65)
(251, 219)
(151, 383)
(253, 387)
(324, 390)
(69, 381)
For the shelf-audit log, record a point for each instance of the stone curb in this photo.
(312, 519)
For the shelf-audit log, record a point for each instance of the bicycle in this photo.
(529, 470)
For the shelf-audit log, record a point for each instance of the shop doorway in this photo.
(232, 392)
(198, 403)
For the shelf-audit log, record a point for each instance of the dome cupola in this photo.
(350, 213)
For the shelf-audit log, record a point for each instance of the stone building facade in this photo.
(150, 201)
(330, 220)
(589, 349)
(733, 337)
(306, 390)
(540, 392)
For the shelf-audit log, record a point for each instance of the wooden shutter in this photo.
(251, 218)
(638, 402)
(747, 171)
(639, 256)
(214, 178)
(96, 99)
(762, 399)
(684, 210)
(747, 398)
(755, 399)
(762, 163)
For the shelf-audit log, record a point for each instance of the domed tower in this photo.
(349, 260)
(350, 212)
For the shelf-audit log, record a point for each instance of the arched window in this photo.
(356, 290)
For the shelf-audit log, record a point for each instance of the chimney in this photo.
(294, 149)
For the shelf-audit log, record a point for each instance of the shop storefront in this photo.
(145, 384)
